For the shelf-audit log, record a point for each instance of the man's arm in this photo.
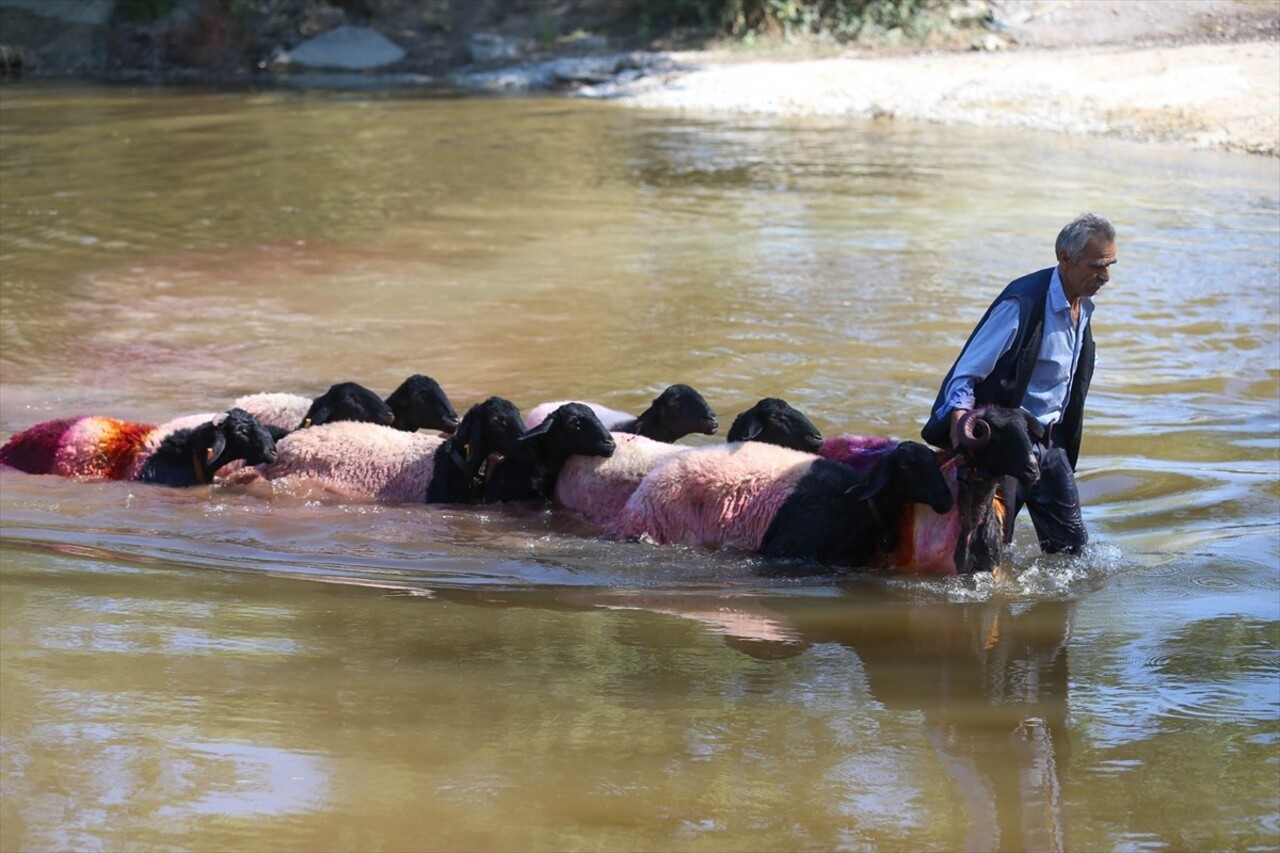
(991, 341)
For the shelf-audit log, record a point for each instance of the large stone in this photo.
(91, 12)
(62, 37)
(347, 48)
(489, 47)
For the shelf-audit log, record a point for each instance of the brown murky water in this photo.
(215, 669)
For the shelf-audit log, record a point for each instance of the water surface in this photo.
(221, 668)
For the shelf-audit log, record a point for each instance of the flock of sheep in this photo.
(776, 487)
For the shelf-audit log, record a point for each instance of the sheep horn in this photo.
(974, 431)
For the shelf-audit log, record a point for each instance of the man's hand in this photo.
(955, 416)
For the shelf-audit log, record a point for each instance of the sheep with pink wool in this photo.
(597, 489)
(995, 444)
(678, 411)
(373, 461)
(356, 459)
(781, 502)
(182, 452)
(490, 457)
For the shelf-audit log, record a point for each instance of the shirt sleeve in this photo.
(992, 340)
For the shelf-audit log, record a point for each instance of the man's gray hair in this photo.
(1080, 231)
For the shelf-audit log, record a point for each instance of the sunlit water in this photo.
(220, 668)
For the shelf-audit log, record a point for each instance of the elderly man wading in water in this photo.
(1034, 349)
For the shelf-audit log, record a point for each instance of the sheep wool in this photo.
(273, 409)
(722, 496)
(859, 452)
(611, 418)
(597, 488)
(358, 459)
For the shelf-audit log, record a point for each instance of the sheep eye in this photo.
(208, 454)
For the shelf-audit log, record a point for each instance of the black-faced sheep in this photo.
(996, 443)
(184, 452)
(676, 412)
(418, 403)
(348, 401)
(533, 468)
(365, 460)
(598, 488)
(758, 497)
(775, 421)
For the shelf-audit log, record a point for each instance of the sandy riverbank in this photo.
(1224, 96)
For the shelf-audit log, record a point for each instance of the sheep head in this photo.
(572, 430)
(226, 438)
(999, 441)
(676, 412)
(491, 427)
(774, 421)
(910, 473)
(348, 401)
(420, 403)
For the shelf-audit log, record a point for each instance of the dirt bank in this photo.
(1164, 71)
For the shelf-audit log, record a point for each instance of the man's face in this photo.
(1086, 276)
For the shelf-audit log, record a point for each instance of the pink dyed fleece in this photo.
(927, 540)
(597, 488)
(721, 496)
(357, 459)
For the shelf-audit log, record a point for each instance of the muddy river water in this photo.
(231, 669)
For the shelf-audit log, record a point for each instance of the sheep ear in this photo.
(1034, 428)
(879, 479)
(215, 448)
(646, 417)
(475, 441)
(754, 428)
(318, 416)
(541, 429)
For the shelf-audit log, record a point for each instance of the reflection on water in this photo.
(990, 680)
(222, 668)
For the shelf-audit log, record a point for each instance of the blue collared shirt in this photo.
(1050, 384)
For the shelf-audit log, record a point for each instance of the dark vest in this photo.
(1007, 383)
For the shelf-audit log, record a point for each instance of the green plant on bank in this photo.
(237, 12)
(843, 20)
(144, 11)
